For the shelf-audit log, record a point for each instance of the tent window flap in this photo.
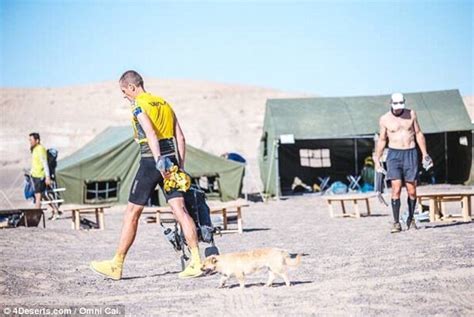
(101, 191)
(316, 158)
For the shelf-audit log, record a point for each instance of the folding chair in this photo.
(52, 198)
(354, 182)
(324, 183)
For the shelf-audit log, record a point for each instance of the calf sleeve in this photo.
(396, 210)
(411, 207)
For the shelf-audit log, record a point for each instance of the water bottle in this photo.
(170, 236)
(427, 163)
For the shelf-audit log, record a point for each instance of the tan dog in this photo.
(240, 264)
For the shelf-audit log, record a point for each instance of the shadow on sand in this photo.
(256, 229)
(444, 225)
(279, 284)
(373, 215)
(148, 276)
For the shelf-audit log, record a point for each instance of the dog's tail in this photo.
(293, 262)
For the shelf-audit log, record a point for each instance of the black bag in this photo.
(52, 157)
(195, 201)
(14, 220)
(87, 224)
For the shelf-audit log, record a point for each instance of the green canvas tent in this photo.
(318, 137)
(103, 170)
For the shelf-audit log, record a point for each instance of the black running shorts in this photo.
(402, 164)
(39, 185)
(146, 180)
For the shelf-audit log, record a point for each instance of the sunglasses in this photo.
(398, 103)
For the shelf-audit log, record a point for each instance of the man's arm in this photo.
(151, 137)
(181, 142)
(380, 144)
(419, 136)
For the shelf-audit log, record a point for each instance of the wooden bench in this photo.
(355, 198)
(83, 209)
(230, 208)
(165, 215)
(29, 216)
(437, 202)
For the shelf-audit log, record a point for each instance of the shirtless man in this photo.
(400, 126)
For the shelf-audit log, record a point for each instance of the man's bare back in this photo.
(400, 130)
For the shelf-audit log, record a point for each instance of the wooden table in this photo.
(437, 201)
(355, 198)
(165, 214)
(98, 210)
(25, 213)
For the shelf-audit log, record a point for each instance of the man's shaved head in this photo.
(131, 77)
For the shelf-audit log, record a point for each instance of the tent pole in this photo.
(267, 184)
(277, 172)
(446, 154)
(356, 157)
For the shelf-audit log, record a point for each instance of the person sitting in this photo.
(367, 175)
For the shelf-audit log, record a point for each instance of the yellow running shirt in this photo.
(161, 116)
(38, 156)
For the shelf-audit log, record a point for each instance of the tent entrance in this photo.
(208, 184)
(339, 158)
(452, 156)
(310, 159)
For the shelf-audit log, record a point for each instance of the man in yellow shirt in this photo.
(156, 127)
(39, 172)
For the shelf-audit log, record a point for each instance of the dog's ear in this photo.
(214, 260)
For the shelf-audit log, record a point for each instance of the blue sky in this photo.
(331, 48)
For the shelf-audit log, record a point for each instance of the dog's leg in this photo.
(284, 276)
(271, 278)
(224, 279)
(241, 278)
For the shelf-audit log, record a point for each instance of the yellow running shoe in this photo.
(192, 270)
(109, 269)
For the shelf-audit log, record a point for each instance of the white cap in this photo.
(398, 101)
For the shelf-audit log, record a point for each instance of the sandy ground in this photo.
(351, 267)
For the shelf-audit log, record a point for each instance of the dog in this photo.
(243, 263)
